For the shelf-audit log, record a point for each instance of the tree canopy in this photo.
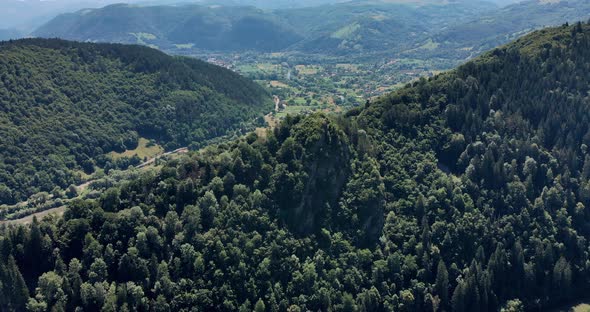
(65, 105)
(464, 192)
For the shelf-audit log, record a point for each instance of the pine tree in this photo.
(348, 304)
(260, 306)
(13, 287)
(458, 300)
(442, 283)
(562, 278)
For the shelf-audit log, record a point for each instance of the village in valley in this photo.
(303, 84)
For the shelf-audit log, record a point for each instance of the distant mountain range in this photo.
(371, 26)
(26, 15)
(419, 28)
(359, 26)
(222, 28)
(500, 26)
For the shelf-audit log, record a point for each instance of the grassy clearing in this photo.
(142, 37)
(263, 68)
(185, 46)
(430, 45)
(142, 150)
(268, 67)
(584, 307)
(308, 69)
(40, 215)
(261, 132)
(348, 67)
(247, 69)
(346, 31)
(292, 110)
(278, 84)
(379, 17)
(299, 101)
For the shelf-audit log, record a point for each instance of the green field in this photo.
(144, 150)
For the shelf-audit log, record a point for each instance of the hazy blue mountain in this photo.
(359, 26)
(369, 26)
(500, 26)
(29, 14)
(417, 28)
(219, 28)
(274, 4)
(505, 2)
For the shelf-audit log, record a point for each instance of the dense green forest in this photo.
(463, 192)
(64, 105)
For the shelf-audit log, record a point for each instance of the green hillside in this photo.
(216, 28)
(65, 105)
(508, 23)
(464, 192)
(272, 4)
(422, 29)
(372, 26)
(361, 26)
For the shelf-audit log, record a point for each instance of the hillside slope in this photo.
(415, 29)
(464, 192)
(64, 105)
(508, 23)
(369, 26)
(214, 28)
(358, 26)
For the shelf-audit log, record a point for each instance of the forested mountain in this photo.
(506, 2)
(463, 192)
(217, 28)
(416, 29)
(64, 105)
(360, 26)
(501, 26)
(26, 15)
(370, 26)
(291, 4)
(272, 4)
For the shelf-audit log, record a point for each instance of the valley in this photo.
(44, 204)
(310, 83)
(352, 156)
(321, 79)
(346, 211)
(329, 57)
(306, 76)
